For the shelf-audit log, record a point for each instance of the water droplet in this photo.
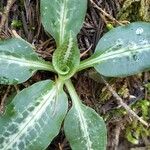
(31, 108)
(139, 31)
(132, 45)
(143, 42)
(119, 43)
(134, 57)
(46, 8)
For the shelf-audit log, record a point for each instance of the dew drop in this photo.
(135, 57)
(139, 31)
(30, 109)
(119, 43)
(132, 45)
(143, 42)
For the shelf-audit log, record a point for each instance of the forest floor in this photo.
(124, 131)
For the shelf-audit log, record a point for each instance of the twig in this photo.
(3, 100)
(16, 88)
(115, 139)
(81, 55)
(105, 13)
(15, 34)
(60, 148)
(6, 13)
(124, 105)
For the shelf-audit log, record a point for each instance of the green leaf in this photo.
(59, 17)
(34, 117)
(66, 58)
(18, 61)
(122, 51)
(84, 128)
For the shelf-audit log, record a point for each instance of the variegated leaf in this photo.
(59, 17)
(122, 51)
(34, 117)
(18, 61)
(84, 128)
(66, 58)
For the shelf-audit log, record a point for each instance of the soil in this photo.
(24, 18)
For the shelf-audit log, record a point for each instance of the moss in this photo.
(145, 10)
(135, 10)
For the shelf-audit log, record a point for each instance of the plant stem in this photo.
(85, 64)
(72, 92)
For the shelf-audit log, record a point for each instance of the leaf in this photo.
(66, 58)
(34, 117)
(122, 51)
(84, 128)
(18, 61)
(59, 17)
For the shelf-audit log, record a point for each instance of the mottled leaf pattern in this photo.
(34, 117)
(85, 129)
(122, 51)
(59, 17)
(18, 61)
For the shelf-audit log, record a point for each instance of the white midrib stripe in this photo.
(69, 48)
(84, 127)
(35, 115)
(62, 21)
(124, 51)
(22, 62)
(113, 54)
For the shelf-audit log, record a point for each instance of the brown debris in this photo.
(99, 13)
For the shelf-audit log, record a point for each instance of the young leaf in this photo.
(122, 51)
(59, 17)
(84, 128)
(18, 61)
(34, 117)
(66, 58)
